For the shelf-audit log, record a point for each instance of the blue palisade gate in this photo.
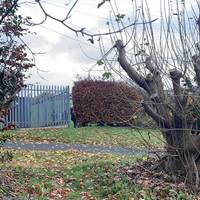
(40, 106)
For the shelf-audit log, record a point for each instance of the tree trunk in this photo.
(175, 118)
(182, 159)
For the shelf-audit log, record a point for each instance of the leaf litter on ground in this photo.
(79, 175)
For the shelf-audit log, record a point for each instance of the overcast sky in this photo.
(63, 55)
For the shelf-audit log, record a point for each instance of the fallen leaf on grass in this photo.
(59, 193)
(87, 196)
(59, 181)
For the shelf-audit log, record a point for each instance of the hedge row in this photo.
(104, 101)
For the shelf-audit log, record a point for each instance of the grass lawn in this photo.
(107, 136)
(64, 175)
(74, 176)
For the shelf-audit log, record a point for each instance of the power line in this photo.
(69, 37)
(67, 22)
(65, 35)
(62, 34)
(78, 11)
(129, 12)
(86, 3)
(90, 4)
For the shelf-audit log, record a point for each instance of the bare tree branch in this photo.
(176, 76)
(196, 63)
(83, 31)
(132, 73)
(162, 122)
(70, 10)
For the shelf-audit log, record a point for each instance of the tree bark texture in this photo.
(176, 120)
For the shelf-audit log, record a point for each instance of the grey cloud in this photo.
(75, 51)
(54, 78)
(37, 43)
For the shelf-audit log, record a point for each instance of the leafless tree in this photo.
(162, 57)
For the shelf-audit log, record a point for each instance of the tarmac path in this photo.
(78, 147)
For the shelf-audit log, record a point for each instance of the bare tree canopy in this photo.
(163, 59)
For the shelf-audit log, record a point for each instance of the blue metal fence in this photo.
(40, 106)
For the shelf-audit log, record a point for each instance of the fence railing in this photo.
(40, 106)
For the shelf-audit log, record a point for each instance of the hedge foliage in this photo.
(113, 103)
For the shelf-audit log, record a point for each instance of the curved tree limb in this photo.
(156, 76)
(148, 84)
(176, 75)
(132, 73)
(152, 84)
(196, 63)
(161, 121)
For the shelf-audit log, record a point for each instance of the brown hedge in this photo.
(104, 101)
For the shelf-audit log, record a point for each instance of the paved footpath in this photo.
(78, 147)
